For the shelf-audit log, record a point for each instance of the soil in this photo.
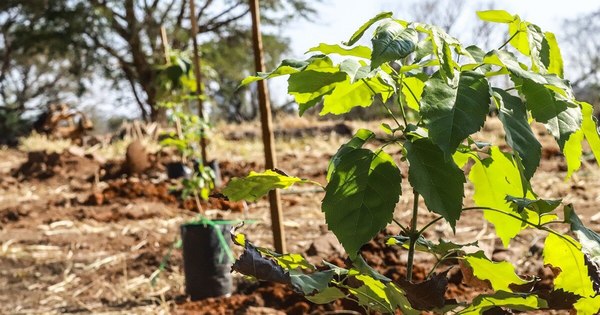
(77, 234)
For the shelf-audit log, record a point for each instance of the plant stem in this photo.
(401, 103)
(383, 103)
(413, 236)
(508, 41)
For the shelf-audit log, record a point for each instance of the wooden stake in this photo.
(165, 43)
(197, 71)
(267, 130)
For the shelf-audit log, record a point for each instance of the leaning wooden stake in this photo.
(197, 71)
(267, 130)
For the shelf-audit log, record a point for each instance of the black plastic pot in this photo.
(178, 170)
(206, 265)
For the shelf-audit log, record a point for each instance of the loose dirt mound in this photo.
(133, 188)
(43, 165)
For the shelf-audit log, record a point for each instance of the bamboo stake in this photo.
(267, 130)
(197, 71)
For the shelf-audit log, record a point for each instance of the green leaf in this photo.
(361, 30)
(348, 95)
(494, 178)
(497, 16)
(501, 275)
(308, 87)
(360, 197)
(517, 302)
(538, 48)
(326, 295)
(590, 240)
(412, 90)
(435, 177)
(590, 130)
(398, 299)
(356, 70)
(520, 41)
(425, 245)
(519, 135)
(573, 152)
(454, 113)
(358, 51)
(540, 206)
(372, 294)
(588, 305)
(392, 42)
(256, 185)
(310, 283)
(556, 61)
(560, 117)
(565, 253)
(357, 141)
(287, 66)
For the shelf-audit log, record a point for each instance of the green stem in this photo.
(400, 101)
(383, 103)
(404, 229)
(413, 236)
(508, 41)
(434, 221)
(438, 263)
(537, 226)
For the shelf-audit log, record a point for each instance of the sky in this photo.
(340, 18)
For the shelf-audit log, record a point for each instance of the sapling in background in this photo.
(418, 67)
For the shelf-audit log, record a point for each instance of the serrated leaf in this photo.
(560, 117)
(517, 302)
(454, 113)
(326, 295)
(348, 95)
(573, 152)
(428, 294)
(589, 240)
(252, 263)
(310, 283)
(519, 135)
(589, 305)
(363, 267)
(398, 299)
(372, 294)
(360, 197)
(355, 70)
(441, 249)
(392, 42)
(357, 141)
(436, 178)
(540, 206)
(494, 178)
(556, 61)
(256, 185)
(538, 48)
(358, 51)
(590, 130)
(363, 28)
(565, 253)
(497, 16)
(441, 42)
(501, 275)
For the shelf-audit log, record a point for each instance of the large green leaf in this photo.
(518, 30)
(372, 294)
(565, 253)
(590, 240)
(256, 185)
(358, 51)
(348, 95)
(363, 28)
(494, 178)
(560, 117)
(357, 141)
(435, 177)
(519, 135)
(360, 197)
(308, 87)
(538, 48)
(454, 113)
(590, 130)
(501, 275)
(412, 90)
(327, 295)
(517, 302)
(392, 42)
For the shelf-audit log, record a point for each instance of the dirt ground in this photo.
(72, 241)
